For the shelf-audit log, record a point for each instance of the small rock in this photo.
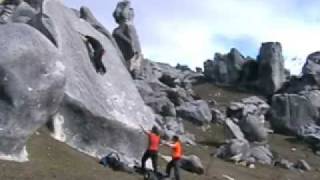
(228, 177)
(283, 163)
(192, 164)
(251, 166)
(293, 149)
(303, 165)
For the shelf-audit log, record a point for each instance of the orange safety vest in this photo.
(154, 142)
(177, 151)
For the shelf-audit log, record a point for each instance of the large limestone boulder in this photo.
(31, 86)
(250, 117)
(312, 66)
(197, 112)
(296, 84)
(291, 113)
(246, 133)
(99, 113)
(271, 68)
(225, 69)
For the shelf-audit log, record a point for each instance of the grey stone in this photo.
(217, 116)
(32, 86)
(303, 165)
(99, 114)
(250, 114)
(283, 163)
(296, 84)
(125, 34)
(290, 113)
(23, 13)
(261, 154)
(225, 69)
(235, 150)
(183, 67)
(192, 164)
(249, 72)
(197, 112)
(233, 130)
(86, 14)
(312, 66)
(161, 105)
(253, 129)
(271, 68)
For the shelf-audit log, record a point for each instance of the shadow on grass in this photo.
(294, 140)
(215, 144)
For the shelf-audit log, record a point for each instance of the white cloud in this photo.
(185, 31)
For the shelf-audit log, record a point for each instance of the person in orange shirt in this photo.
(176, 148)
(153, 148)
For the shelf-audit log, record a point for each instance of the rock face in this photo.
(86, 14)
(298, 114)
(32, 86)
(312, 66)
(168, 91)
(246, 133)
(195, 111)
(271, 68)
(99, 113)
(192, 164)
(16, 11)
(295, 107)
(265, 75)
(250, 117)
(225, 69)
(126, 36)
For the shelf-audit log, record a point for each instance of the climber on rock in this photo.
(153, 148)
(96, 55)
(176, 154)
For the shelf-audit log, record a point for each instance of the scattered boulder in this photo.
(246, 134)
(250, 114)
(23, 13)
(291, 113)
(235, 150)
(161, 105)
(217, 116)
(296, 84)
(285, 164)
(197, 112)
(233, 131)
(192, 164)
(303, 165)
(261, 154)
(87, 15)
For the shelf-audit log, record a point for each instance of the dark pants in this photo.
(175, 164)
(97, 60)
(154, 158)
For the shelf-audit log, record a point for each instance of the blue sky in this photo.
(191, 31)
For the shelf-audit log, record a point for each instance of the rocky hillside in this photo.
(65, 76)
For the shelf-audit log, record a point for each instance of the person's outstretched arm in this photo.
(143, 130)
